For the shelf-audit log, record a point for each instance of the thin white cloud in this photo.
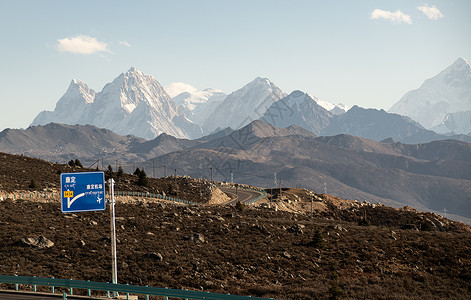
(81, 44)
(432, 12)
(124, 43)
(397, 16)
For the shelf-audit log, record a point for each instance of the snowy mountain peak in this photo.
(447, 92)
(461, 63)
(132, 88)
(244, 105)
(133, 103)
(78, 91)
(198, 105)
(260, 82)
(176, 88)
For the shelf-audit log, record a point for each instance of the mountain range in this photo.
(429, 176)
(133, 103)
(259, 130)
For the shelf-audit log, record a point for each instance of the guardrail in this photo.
(52, 195)
(120, 288)
(155, 196)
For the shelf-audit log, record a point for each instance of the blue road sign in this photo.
(82, 191)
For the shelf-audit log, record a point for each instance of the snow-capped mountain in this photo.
(133, 103)
(455, 123)
(448, 92)
(336, 109)
(176, 88)
(198, 105)
(244, 105)
(299, 109)
(76, 100)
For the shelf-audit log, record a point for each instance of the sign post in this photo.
(114, 263)
(85, 191)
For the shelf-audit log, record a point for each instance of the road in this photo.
(242, 195)
(13, 295)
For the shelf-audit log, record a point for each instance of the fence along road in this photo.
(14, 295)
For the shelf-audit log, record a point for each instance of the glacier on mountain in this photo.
(199, 105)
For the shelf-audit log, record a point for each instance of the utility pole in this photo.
(311, 206)
(153, 168)
(176, 182)
(275, 181)
(232, 178)
(114, 263)
(280, 189)
(211, 178)
(325, 188)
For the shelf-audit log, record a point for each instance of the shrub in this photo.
(317, 240)
(240, 206)
(363, 222)
(425, 226)
(78, 163)
(32, 184)
(142, 180)
(109, 172)
(335, 292)
(120, 172)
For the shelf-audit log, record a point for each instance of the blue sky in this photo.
(368, 53)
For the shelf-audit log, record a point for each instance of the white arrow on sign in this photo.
(69, 202)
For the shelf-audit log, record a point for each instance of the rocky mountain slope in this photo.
(429, 176)
(299, 109)
(375, 125)
(447, 92)
(343, 248)
(455, 123)
(432, 176)
(60, 143)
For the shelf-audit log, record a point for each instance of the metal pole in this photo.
(211, 178)
(280, 189)
(311, 206)
(114, 263)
